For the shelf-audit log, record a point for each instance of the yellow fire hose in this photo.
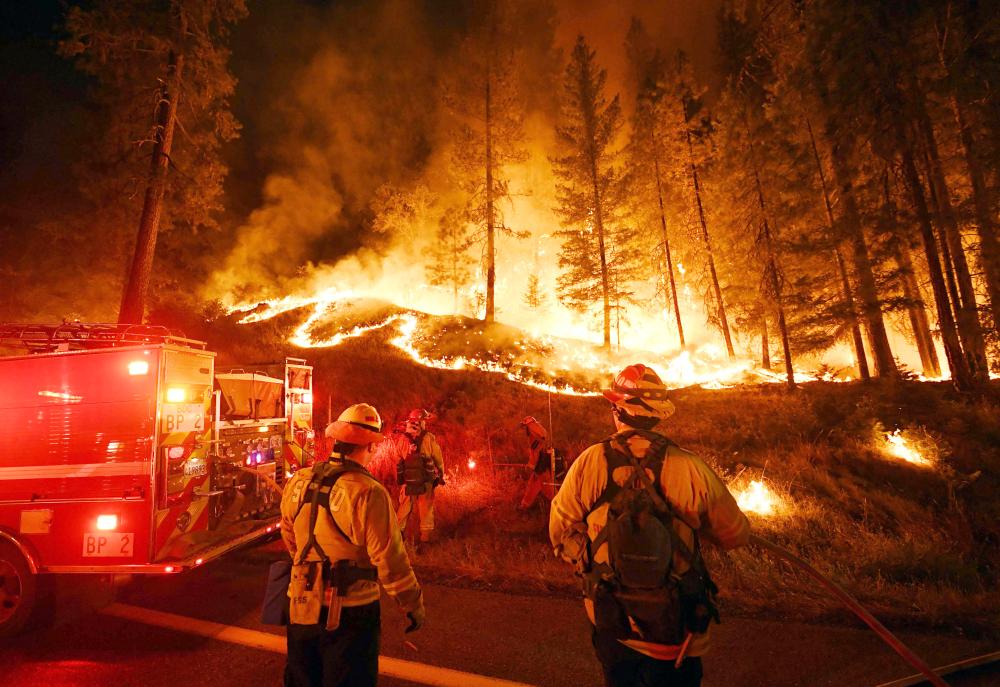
(856, 607)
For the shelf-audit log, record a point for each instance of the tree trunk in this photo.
(956, 265)
(723, 321)
(878, 337)
(133, 305)
(771, 268)
(915, 307)
(860, 357)
(491, 274)
(666, 251)
(949, 335)
(765, 346)
(982, 200)
(599, 225)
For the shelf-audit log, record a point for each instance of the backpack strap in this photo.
(321, 486)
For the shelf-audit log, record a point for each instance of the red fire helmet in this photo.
(640, 392)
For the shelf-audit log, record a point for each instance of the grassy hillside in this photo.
(919, 545)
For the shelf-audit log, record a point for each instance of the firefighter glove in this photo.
(416, 618)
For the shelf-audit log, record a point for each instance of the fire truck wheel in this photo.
(17, 590)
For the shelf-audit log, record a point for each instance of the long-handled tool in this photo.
(856, 607)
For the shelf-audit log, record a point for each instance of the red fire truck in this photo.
(126, 453)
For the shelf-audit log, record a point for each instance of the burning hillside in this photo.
(559, 364)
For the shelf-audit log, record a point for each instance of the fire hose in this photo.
(855, 606)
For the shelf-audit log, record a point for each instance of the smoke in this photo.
(361, 116)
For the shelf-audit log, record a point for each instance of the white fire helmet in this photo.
(359, 424)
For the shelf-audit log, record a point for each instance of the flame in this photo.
(758, 498)
(706, 365)
(899, 447)
(471, 464)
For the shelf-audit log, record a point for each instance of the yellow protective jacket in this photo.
(430, 447)
(695, 492)
(362, 509)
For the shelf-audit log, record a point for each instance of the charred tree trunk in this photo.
(772, 273)
(723, 320)
(491, 274)
(915, 306)
(133, 305)
(878, 337)
(949, 334)
(963, 292)
(982, 200)
(845, 282)
(840, 146)
(765, 345)
(666, 251)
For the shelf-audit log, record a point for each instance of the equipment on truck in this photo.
(133, 456)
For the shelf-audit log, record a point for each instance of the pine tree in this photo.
(450, 262)
(590, 191)
(484, 96)
(647, 153)
(179, 48)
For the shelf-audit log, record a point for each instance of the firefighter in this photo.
(419, 472)
(338, 524)
(656, 636)
(540, 463)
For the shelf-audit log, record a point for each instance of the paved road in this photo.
(534, 640)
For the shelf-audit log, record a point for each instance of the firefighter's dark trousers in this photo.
(345, 657)
(624, 667)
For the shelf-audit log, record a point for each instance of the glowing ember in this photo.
(757, 498)
(899, 447)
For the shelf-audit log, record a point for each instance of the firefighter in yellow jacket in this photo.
(338, 524)
(630, 515)
(419, 473)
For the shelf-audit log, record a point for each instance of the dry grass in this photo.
(918, 545)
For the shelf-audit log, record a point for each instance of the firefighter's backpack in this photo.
(309, 580)
(637, 594)
(418, 469)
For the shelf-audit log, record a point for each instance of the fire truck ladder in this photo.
(46, 338)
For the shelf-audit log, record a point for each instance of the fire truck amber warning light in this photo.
(138, 367)
(107, 522)
(176, 394)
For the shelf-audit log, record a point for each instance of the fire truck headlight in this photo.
(176, 394)
(307, 397)
(107, 522)
(175, 452)
(138, 367)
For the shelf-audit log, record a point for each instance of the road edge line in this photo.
(403, 669)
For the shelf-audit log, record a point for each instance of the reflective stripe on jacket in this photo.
(361, 507)
(696, 493)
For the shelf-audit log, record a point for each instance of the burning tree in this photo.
(450, 260)
(485, 98)
(149, 57)
(590, 191)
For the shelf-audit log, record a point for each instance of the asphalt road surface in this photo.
(201, 628)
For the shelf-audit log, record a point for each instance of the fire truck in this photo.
(127, 453)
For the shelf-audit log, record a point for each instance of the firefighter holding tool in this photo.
(419, 473)
(630, 516)
(338, 524)
(540, 463)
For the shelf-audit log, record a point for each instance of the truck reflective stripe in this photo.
(134, 469)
